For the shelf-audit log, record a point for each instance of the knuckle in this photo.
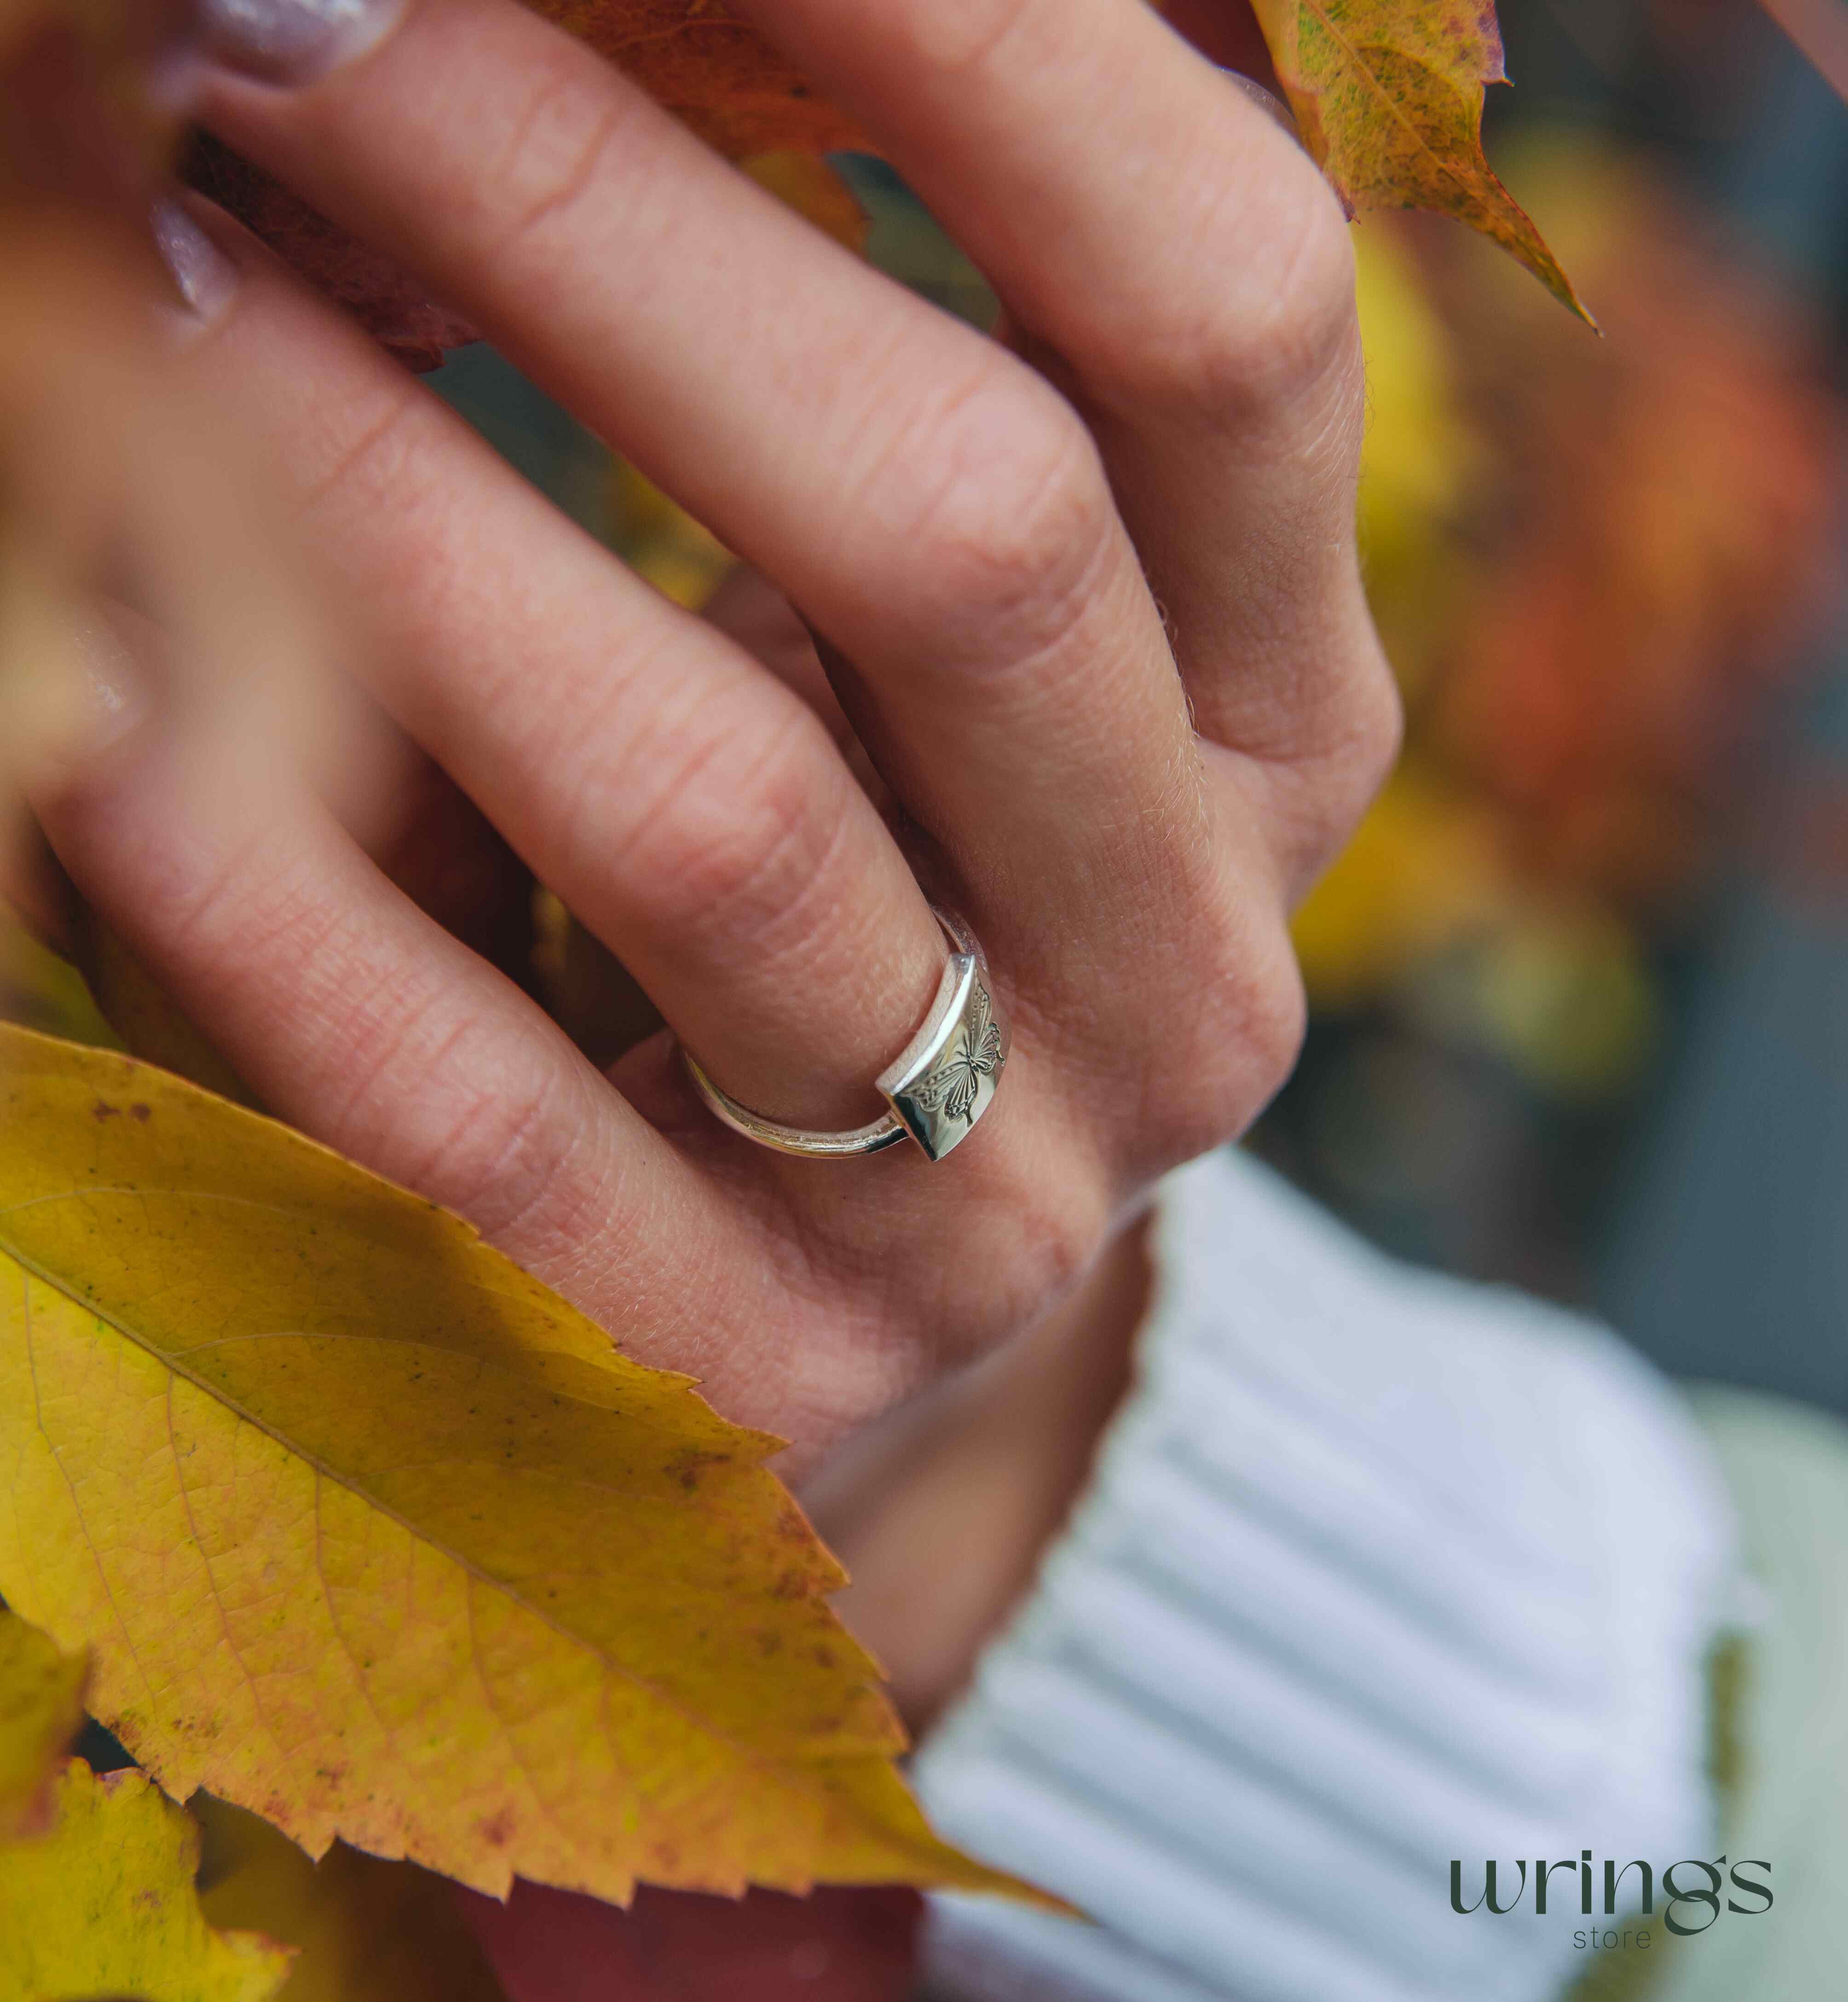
(1225, 350)
(1040, 1239)
(1378, 735)
(367, 455)
(1240, 1029)
(1310, 320)
(958, 38)
(1010, 534)
(492, 1140)
(1329, 791)
(1058, 1238)
(508, 1166)
(556, 153)
(1274, 1022)
(729, 838)
(246, 908)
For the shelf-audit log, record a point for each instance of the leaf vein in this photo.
(1373, 83)
(218, 1597)
(89, 1542)
(665, 1697)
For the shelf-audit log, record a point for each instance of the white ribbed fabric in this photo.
(1376, 1570)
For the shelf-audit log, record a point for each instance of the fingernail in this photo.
(293, 41)
(203, 275)
(1267, 100)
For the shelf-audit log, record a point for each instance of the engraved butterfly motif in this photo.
(953, 1087)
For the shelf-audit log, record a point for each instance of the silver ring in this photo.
(938, 1086)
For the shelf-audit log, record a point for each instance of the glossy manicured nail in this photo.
(293, 41)
(204, 276)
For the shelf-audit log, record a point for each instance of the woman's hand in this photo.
(1089, 603)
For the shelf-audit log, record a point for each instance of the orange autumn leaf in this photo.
(1389, 96)
(698, 60)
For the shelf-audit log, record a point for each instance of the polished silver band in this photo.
(939, 1084)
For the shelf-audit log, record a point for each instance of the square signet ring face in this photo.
(947, 1076)
(938, 1086)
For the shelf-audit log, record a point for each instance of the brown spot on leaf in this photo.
(688, 1467)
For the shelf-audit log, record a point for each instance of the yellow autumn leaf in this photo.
(373, 1535)
(368, 1931)
(105, 1906)
(699, 59)
(41, 1712)
(1388, 95)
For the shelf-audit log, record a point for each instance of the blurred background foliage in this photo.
(1579, 985)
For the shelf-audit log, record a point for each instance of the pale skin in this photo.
(1101, 676)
